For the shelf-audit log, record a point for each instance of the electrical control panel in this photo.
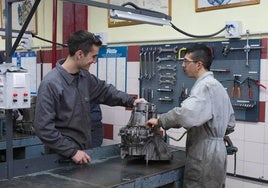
(15, 90)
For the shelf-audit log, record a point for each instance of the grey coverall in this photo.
(62, 116)
(205, 114)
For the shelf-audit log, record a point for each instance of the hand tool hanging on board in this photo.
(150, 95)
(153, 62)
(172, 82)
(141, 64)
(145, 64)
(220, 70)
(226, 49)
(149, 67)
(249, 90)
(161, 50)
(167, 58)
(167, 76)
(167, 67)
(164, 90)
(236, 87)
(147, 94)
(165, 99)
(183, 49)
(256, 82)
(143, 93)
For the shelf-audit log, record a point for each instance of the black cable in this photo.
(260, 180)
(172, 25)
(40, 38)
(196, 36)
(138, 8)
(131, 4)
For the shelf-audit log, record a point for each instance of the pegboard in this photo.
(164, 83)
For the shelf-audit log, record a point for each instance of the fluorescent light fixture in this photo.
(142, 17)
(15, 33)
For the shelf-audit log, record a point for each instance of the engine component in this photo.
(139, 141)
(26, 124)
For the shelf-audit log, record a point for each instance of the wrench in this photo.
(167, 76)
(164, 90)
(167, 67)
(141, 64)
(145, 64)
(174, 50)
(165, 99)
(153, 63)
(172, 82)
(168, 58)
(149, 64)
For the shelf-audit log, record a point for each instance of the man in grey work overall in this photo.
(206, 115)
(62, 117)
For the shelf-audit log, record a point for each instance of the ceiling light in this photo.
(142, 17)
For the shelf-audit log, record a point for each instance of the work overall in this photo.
(205, 114)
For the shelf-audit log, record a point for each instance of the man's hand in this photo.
(152, 123)
(81, 157)
(139, 100)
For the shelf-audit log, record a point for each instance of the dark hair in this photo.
(201, 52)
(82, 40)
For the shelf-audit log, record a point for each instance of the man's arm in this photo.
(108, 94)
(44, 122)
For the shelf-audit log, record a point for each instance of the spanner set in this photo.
(164, 83)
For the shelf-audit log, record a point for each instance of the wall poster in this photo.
(204, 5)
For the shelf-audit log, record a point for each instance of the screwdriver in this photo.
(249, 90)
(220, 70)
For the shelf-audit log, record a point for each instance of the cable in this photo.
(131, 4)
(139, 8)
(172, 25)
(196, 36)
(40, 38)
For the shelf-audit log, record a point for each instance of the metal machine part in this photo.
(26, 124)
(139, 141)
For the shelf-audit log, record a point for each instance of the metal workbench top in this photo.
(108, 172)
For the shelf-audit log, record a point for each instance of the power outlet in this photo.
(233, 30)
(27, 43)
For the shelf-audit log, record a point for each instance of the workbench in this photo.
(106, 169)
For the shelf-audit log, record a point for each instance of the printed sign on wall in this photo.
(112, 66)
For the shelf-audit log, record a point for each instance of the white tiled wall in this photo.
(118, 116)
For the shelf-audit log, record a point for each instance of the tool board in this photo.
(164, 83)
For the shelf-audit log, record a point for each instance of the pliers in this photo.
(236, 88)
(256, 82)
